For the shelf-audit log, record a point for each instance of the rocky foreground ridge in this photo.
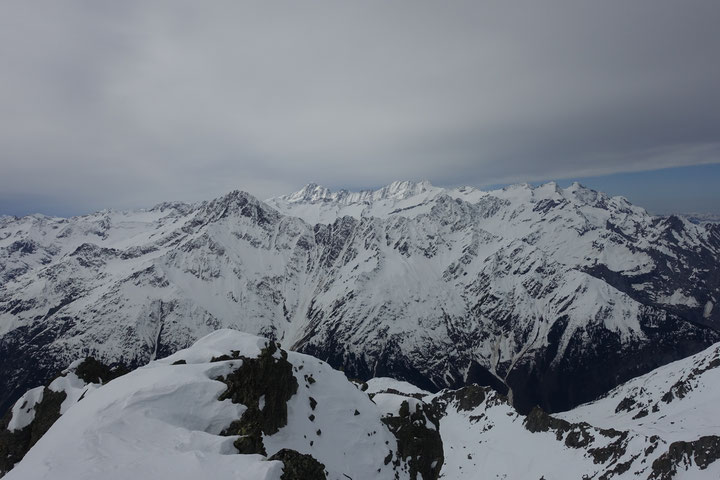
(238, 406)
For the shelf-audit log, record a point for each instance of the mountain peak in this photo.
(312, 192)
(403, 189)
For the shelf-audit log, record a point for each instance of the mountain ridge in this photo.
(239, 405)
(536, 286)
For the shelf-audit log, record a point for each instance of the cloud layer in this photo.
(128, 103)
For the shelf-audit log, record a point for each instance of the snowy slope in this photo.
(662, 425)
(167, 420)
(559, 293)
(679, 401)
(179, 418)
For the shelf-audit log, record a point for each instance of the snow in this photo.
(708, 309)
(406, 263)
(348, 444)
(678, 298)
(216, 344)
(164, 420)
(317, 204)
(686, 418)
(161, 421)
(499, 446)
(379, 384)
(390, 403)
(73, 387)
(492, 438)
(23, 412)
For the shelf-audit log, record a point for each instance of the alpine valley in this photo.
(542, 296)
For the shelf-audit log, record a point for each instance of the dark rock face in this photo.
(583, 373)
(418, 443)
(578, 434)
(299, 466)
(265, 376)
(23, 247)
(14, 445)
(93, 371)
(29, 360)
(479, 375)
(702, 452)
(468, 397)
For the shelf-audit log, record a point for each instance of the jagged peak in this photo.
(586, 195)
(311, 192)
(400, 189)
(170, 205)
(403, 189)
(239, 201)
(237, 195)
(318, 204)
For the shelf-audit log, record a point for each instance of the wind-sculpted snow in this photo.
(39, 408)
(173, 419)
(237, 406)
(560, 294)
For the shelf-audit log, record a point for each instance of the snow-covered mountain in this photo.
(701, 218)
(558, 294)
(238, 406)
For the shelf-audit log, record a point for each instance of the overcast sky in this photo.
(128, 103)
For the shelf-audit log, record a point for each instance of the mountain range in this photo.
(551, 296)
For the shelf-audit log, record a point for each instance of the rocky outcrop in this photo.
(285, 408)
(264, 385)
(299, 466)
(418, 440)
(701, 452)
(16, 440)
(14, 444)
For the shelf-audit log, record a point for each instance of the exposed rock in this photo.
(418, 443)
(625, 405)
(299, 466)
(15, 444)
(265, 376)
(93, 371)
(701, 452)
(468, 397)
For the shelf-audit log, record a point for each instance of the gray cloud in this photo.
(129, 103)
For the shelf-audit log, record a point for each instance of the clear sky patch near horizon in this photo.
(109, 104)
